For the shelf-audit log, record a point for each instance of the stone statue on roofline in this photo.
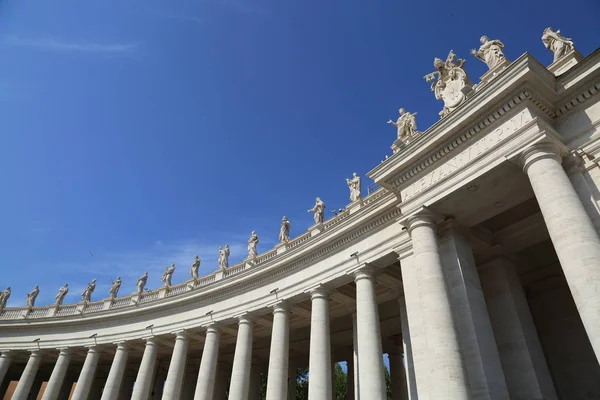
(60, 296)
(195, 267)
(224, 257)
(4, 296)
(167, 275)
(284, 231)
(141, 282)
(31, 296)
(86, 296)
(490, 52)
(406, 125)
(450, 82)
(252, 245)
(354, 186)
(319, 211)
(114, 287)
(556, 43)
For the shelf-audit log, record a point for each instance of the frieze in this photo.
(467, 155)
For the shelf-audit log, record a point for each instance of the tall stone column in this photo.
(5, 360)
(87, 374)
(356, 377)
(175, 375)
(320, 384)
(397, 376)
(572, 233)
(279, 355)
(437, 349)
(28, 376)
(475, 333)
(350, 379)
(370, 366)
(409, 369)
(115, 375)
(58, 375)
(525, 368)
(208, 365)
(242, 360)
(143, 382)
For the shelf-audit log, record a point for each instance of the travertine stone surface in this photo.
(208, 366)
(478, 346)
(525, 369)
(174, 382)
(87, 374)
(239, 387)
(371, 372)
(117, 370)
(574, 237)
(279, 356)
(442, 371)
(143, 382)
(28, 376)
(407, 351)
(58, 375)
(5, 361)
(320, 385)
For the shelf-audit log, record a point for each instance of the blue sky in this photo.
(148, 131)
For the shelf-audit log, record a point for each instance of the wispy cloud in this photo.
(56, 45)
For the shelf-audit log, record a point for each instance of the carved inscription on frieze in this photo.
(470, 153)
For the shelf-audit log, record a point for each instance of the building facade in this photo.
(475, 266)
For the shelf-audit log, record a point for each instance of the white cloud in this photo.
(51, 44)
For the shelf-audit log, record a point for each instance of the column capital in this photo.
(244, 318)
(319, 291)
(181, 334)
(280, 307)
(35, 353)
(423, 216)
(539, 151)
(122, 345)
(7, 353)
(93, 348)
(64, 351)
(363, 271)
(212, 327)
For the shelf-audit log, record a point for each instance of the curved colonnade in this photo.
(428, 269)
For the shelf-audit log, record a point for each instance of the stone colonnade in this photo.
(466, 334)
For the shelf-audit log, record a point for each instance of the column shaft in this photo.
(525, 368)
(5, 360)
(208, 365)
(143, 382)
(571, 230)
(58, 375)
(356, 378)
(436, 349)
(319, 367)
(28, 376)
(176, 372)
(87, 374)
(475, 333)
(279, 355)
(370, 366)
(409, 369)
(239, 388)
(115, 375)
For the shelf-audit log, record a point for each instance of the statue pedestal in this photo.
(492, 73)
(316, 229)
(162, 292)
(398, 145)
(107, 303)
(281, 248)
(81, 307)
(565, 63)
(53, 309)
(354, 206)
(250, 263)
(135, 298)
(219, 274)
